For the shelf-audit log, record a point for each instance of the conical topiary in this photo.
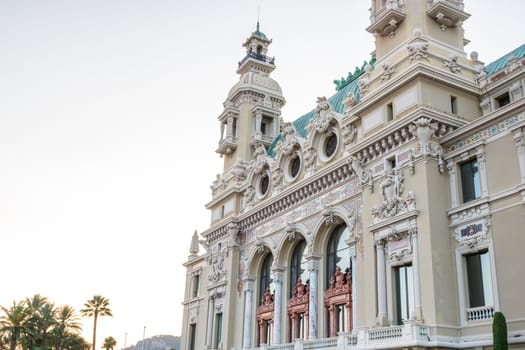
(499, 332)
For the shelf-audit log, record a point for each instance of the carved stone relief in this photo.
(391, 188)
(326, 117)
(418, 50)
(425, 130)
(452, 63)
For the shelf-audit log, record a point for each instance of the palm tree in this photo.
(98, 306)
(14, 321)
(109, 343)
(67, 321)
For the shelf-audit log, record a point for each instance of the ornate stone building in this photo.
(390, 216)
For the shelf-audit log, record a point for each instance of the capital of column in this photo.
(248, 284)
(380, 244)
(278, 273)
(312, 262)
(451, 167)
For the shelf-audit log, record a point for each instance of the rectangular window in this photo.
(263, 127)
(195, 286)
(470, 183)
(404, 293)
(453, 105)
(218, 330)
(502, 100)
(193, 329)
(479, 280)
(389, 112)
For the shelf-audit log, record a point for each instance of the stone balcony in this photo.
(448, 13)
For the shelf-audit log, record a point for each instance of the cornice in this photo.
(416, 70)
(484, 121)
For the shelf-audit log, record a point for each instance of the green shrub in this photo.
(499, 332)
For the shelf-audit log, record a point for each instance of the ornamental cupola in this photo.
(253, 107)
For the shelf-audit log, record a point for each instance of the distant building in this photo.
(390, 216)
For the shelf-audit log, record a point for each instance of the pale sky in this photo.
(108, 127)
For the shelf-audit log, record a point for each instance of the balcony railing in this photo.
(262, 58)
(410, 334)
(386, 333)
(480, 313)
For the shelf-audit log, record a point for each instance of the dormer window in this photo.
(259, 49)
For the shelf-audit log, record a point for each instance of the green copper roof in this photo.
(501, 62)
(258, 33)
(336, 101)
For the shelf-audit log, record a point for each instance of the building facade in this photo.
(390, 216)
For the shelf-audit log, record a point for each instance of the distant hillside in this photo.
(158, 342)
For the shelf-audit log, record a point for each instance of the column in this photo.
(381, 287)
(277, 306)
(209, 334)
(229, 130)
(258, 121)
(417, 313)
(247, 335)
(451, 166)
(480, 155)
(313, 268)
(520, 148)
(354, 293)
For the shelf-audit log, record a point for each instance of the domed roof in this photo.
(259, 80)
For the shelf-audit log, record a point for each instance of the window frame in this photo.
(462, 282)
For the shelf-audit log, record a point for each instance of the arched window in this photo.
(266, 305)
(299, 294)
(338, 292)
(265, 280)
(337, 252)
(298, 265)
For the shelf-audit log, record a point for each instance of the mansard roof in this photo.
(501, 62)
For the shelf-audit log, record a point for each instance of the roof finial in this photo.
(258, 14)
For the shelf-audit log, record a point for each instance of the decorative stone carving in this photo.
(388, 71)
(349, 102)
(217, 184)
(418, 50)
(326, 117)
(329, 217)
(249, 194)
(216, 261)
(364, 81)
(260, 162)
(452, 63)
(472, 234)
(512, 64)
(349, 134)
(310, 157)
(391, 188)
(364, 176)
(399, 246)
(479, 69)
(239, 173)
(277, 178)
(425, 130)
(485, 105)
(290, 231)
(290, 144)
